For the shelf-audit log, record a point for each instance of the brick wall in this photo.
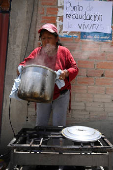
(92, 90)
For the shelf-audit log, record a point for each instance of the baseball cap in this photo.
(49, 27)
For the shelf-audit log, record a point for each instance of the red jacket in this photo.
(63, 60)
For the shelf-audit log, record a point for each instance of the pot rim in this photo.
(34, 65)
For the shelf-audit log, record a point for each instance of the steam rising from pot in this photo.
(47, 53)
(49, 49)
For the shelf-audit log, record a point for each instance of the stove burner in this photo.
(38, 141)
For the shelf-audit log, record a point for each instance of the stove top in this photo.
(46, 146)
(50, 139)
(59, 168)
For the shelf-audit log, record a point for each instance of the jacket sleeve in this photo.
(71, 66)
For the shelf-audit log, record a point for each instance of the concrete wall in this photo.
(92, 90)
(22, 37)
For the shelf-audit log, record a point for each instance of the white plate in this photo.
(81, 133)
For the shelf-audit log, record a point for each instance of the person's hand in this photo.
(64, 74)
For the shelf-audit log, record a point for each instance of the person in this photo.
(57, 57)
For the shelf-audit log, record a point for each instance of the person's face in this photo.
(48, 38)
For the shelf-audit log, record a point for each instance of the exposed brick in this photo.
(87, 55)
(82, 72)
(65, 39)
(78, 105)
(48, 19)
(84, 97)
(73, 82)
(69, 114)
(51, 11)
(82, 55)
(72, 97)
(41, 11)
(110, 57)
(79, 55)
(104, 81)
(102, 98)
(107, 47)
(97, 56)
(105, 65)
(98, 115)
(77, 114)
(96, 90)
(94, 106)
(109, 90)
(109, 108)
(90, 46)
(85, 80)
(72, 46)
(48, 2)
(109, 73)
(95, 73)
(91, 97)
(85, 64)
(70, 121)
(79, 89)
(80, 116)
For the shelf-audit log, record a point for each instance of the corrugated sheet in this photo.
(4, 20)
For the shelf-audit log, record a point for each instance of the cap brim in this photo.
(48, 29)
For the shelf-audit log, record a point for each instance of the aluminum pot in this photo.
(37, 84)
(81, 134)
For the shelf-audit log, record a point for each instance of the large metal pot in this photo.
(37, 84)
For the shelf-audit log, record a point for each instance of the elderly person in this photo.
(57, 57)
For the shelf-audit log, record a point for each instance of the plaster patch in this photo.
(68, 36)
(59, 24)
(60, 12)
(60, 2)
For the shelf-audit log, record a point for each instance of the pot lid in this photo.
(81, 133)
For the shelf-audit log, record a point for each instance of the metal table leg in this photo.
(11, 165)
(110, 160)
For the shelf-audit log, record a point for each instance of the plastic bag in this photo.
(14, 91)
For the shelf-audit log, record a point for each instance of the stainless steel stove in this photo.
(46, 146)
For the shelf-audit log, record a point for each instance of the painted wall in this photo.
(92, 90)
(4, 22)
